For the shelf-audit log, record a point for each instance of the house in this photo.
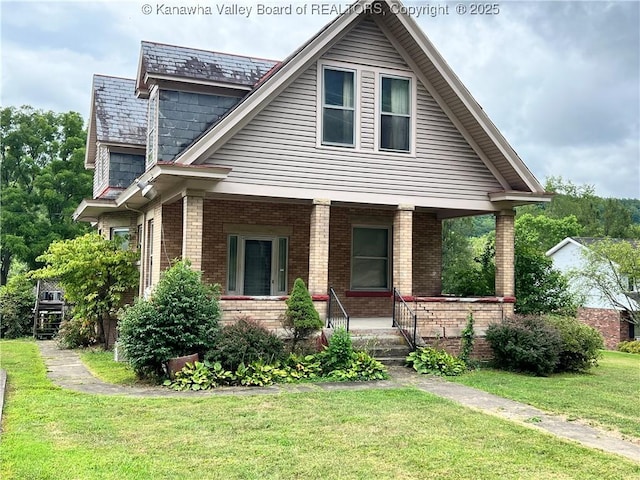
(596, 310)
(336, 165)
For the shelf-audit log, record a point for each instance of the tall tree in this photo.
(42, 180)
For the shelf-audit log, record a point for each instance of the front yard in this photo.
(401, 433)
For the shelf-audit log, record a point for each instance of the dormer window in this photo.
(338, 107)
(395, 114)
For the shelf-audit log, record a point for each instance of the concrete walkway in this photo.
(67, 370)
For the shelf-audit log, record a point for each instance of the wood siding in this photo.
(279, 146)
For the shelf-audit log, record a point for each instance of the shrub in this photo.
(525, 343)
(581, 344)
(245, 341)
(16, 307)
(76, 333)
(301, 317)
(630, 347)
(436, 362)
(200, 376)
(362, 367)
(181, 318)
(468, 339)
(339, 353)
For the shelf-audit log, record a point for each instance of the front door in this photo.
(257, 267)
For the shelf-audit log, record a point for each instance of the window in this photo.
(395, 114)
(149, 265)
(257, 265)
(338, 107)
(370, 258)
(121, 236)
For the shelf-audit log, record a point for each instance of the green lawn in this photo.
(102, 365)
(51, 433)
(607, 396)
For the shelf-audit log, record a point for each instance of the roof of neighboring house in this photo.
(585, 242)
(117, 116)
(157, 59)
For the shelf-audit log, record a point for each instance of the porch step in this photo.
(384, 344)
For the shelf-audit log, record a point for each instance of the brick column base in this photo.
(403, 249)
(505, 254)
(192, 205)
(319, 248)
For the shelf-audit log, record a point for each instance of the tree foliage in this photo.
(16, 307)
(95, 275)
(612, 268)
(42, 181)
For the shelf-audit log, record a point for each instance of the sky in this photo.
(560, 79)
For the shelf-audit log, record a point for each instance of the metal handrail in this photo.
(405, 319)
(341, 318)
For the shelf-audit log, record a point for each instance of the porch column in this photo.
(505, 257)
(155, 244)
(319, 247)
(403, 249)
(192, 224)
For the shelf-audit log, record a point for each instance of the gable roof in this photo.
(159, 60)
(432, 70)
(116, 116)
(586, 242)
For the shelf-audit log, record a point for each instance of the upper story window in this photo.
(395, 114)
(338, 107)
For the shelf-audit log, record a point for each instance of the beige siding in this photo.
(279, 146)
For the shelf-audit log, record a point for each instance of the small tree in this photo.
(95, 274)
(16, 305)
(301, 316)
(612, 268)
(181, 318)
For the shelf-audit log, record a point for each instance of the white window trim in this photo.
(389, 259)
(413, 113)
(320, 105)
(240, 262)
(117, 231)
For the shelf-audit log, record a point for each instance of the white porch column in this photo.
(319, 247)
(192, 224)
(505, 253)
(403, 249)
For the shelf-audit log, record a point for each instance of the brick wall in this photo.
(427, 254)
(608, 322)
(268, 312)
(441, 321)
(217, 213)
(504, 258)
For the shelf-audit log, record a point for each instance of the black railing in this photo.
(404, 319)
(336, 314)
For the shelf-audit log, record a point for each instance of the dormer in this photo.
(117, 134)
(188, 91)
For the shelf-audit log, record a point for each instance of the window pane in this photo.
(370, 242)
(282, 265)
(395, 95)
(338, 88)
(337, 126)
(232, 266)
(394, 133)
(369, 273)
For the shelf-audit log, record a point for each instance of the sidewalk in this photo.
(65, 369)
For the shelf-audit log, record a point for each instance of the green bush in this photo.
(181, 318)
(76, 333)
(16, 307)
(632, 346)
(245, 341)
(201, 376)
(581, 344)
(468, 339)
(339, 353)
(525, 344)
(436, 362)
(301, 317)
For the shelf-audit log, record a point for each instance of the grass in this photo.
(51, 433)
(102, 365)
(607, 396)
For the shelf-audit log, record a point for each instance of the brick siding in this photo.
(613, 328)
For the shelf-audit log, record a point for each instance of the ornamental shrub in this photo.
(76, 332)
(632, 346)
(581, 344)
(301, 317)
(245, 341)
(339, 353)
(16, 307)
(436, 362)
(525, 344)
(181, 318)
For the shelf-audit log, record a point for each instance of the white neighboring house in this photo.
(596, 309)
